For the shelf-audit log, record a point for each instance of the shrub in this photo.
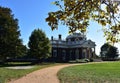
(91, 60)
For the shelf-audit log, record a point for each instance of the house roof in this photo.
(75, 43)
(75, 35)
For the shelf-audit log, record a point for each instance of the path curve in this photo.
(45, 75)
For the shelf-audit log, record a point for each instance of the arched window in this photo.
(77, 39)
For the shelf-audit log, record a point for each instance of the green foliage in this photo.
(10, 44)
(109, 52)
(77, 14)
(91, 73)
(39, 45)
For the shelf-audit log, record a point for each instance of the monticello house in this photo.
(76, 46)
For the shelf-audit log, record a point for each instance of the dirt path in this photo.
(46, 75)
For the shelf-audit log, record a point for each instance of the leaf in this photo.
(102, 22)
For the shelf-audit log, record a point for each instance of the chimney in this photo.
(51, 38)
(60, 37)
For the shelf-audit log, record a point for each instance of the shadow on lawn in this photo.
(12, 64)
(9, 64)
(20, 62)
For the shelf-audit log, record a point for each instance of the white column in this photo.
(84, 53)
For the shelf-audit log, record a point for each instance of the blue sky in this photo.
(32, 13)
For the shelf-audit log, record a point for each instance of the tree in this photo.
(22, 51)
(109, 52)
(10, 43)
(39, 45)
(77, 14)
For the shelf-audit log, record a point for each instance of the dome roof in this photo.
(75, 35)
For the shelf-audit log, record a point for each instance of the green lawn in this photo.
(8, 74)
(108, 72)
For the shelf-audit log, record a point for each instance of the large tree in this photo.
(10, 43)
(39, 45)
(109, 52)
(77, 14)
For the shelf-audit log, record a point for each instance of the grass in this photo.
(108, 72)
(9, 74)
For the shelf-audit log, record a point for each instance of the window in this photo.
(71, 53)
(63, 54)
(54, 53)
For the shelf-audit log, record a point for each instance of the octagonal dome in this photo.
(75, 36)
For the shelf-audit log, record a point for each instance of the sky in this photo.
(32, 13)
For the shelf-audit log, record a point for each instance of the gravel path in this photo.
(46, 75)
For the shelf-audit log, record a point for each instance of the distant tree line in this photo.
(11, 45)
